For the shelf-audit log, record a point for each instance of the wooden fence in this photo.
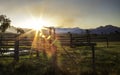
(14, 46)
(17, 45)
(22, 46)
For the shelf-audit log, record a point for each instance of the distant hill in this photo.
(105, 29)
(99, 30)
(72, 30)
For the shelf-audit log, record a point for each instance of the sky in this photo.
(62, 13)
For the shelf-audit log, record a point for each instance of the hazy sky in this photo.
(64, 13)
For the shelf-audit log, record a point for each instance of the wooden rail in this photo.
(10, 43)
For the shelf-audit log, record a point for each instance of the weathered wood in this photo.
(107, 42)
(88, 38)
(7, 46)
(16, 51)
(3, 51)
(8, 39)
(93, 60)
(84, 44)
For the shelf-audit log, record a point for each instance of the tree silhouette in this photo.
(4, 23)
(20, 30)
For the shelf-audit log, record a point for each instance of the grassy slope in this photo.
(77, 62)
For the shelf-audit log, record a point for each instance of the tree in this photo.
(4, 23)
(20, 30)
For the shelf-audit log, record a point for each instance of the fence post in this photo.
(37, 53)
(1, 34)
(70, 39)
(0, 45)
(107, 42)
(93, 59)
(16, 51)
(54, 33)
(88, 36)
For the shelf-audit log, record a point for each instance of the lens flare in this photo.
(37, 23)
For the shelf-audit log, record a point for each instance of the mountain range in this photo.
(105, 29)
(102, 29)
(99, 30)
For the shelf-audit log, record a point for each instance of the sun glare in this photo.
(37, 23)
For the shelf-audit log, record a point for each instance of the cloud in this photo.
(66, 12)
(63, 11)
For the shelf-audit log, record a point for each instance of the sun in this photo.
(37, 23)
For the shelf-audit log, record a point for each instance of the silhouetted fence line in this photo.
(23, 46)
(41, 42)
(76, 41)
(12, 46)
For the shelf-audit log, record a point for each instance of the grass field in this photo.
(76, 61)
